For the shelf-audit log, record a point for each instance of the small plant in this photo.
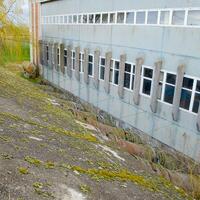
(33, 161)
(23, 170)
(44, 193)
(49, 165)
(6, 156)
(85, 188)
(38, 185)
(5, 138)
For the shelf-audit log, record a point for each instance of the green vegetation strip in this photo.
(84, 136)
(154, 184)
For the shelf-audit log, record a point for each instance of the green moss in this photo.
(49, 165)
(38, 185)
(85, 188)
(33, 161)
(6, 156)
(5, 138)
(85, 136)
(23, 170)
(44, 193)
(153, 184)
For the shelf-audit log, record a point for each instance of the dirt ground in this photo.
(48, 152)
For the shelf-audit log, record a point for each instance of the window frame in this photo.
(145, 17)
(116, 20)
(101, 66)
(105, 13)
(113, 69)
(131, 76)
(189, 90)
(81, 62)
(47, 52)
(187, 14)
(164, 83)
(73, 59)
(92, 65)
(61, 19)
(65, 56)
(147, 78)
(99, 23)
(130, 11)
(184, 20)
(58, 56)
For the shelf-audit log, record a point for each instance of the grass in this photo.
(12, 53)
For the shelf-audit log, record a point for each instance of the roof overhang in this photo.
(46, 1)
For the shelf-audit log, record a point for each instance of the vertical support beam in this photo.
(121, 76)
(44, 53)
(77, 63)
(137, 80)
(198, 119)
(96, 68)
(51, 61)
(55, 56)
(107, 72)
(62, 68)
(69, 61)
(40, 52)
(155, 88)
(177, 94)
(85, 65)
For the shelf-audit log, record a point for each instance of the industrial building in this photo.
(139, 61)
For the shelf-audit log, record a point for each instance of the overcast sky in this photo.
(25, 8)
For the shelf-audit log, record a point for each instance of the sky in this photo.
(25, 8)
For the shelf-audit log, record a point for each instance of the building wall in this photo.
(174, 45)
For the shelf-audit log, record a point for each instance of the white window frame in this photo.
(147, 13)
(81, 61)
(147, 78)
(73, 59)
(194, 92)
(58, 56)
(185, 17)
(92, 65)
(74, 15)
(114, 69)
(47, 52)
(105, 13)
(100, 19)
(65, 56)
(100, 66)
(145, 18)
(164, 83)
(53, 19)
(132, 73)
(116, 21)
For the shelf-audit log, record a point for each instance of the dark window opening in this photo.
(146, 87)
(185, 99)
(169, 94)
(188, 83)
(196, 103)
(97, 18)
(65, 58)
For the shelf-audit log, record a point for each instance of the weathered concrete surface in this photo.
(45, 154)
(156, 80)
